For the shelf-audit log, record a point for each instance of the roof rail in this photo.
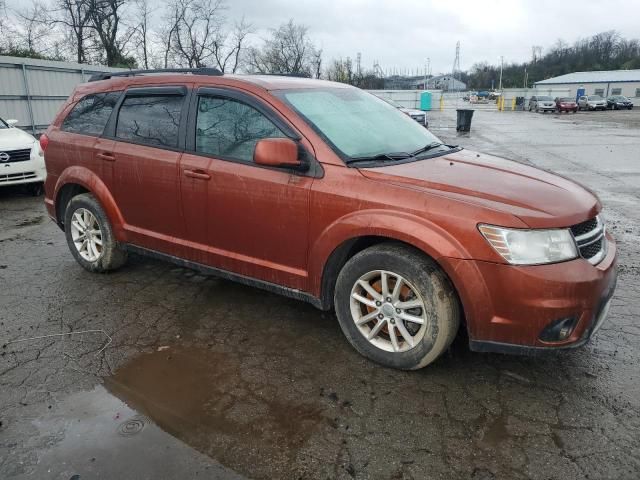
(133, 73)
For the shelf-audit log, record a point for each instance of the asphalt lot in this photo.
(204, 378)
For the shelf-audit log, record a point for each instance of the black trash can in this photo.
(464, 120)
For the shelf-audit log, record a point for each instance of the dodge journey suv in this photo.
(327, 194)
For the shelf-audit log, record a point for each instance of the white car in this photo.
(419, 116)
(21, 158)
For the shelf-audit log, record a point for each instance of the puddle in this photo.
(204, 398)
(497, 431)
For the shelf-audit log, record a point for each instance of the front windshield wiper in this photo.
(382, 156)
(428, 147)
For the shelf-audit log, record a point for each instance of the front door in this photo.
(242, 217)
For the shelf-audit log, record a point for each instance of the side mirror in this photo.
(12, 122)
(277, 152)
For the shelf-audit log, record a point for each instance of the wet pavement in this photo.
(166, 373)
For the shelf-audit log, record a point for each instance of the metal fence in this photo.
(32, 91)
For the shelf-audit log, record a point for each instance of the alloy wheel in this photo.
(389, 311)
(86, 234)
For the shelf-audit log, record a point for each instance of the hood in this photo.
(538, 198)
(14, 139)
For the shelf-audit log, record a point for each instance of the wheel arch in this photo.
(352, 234)
(77, 180)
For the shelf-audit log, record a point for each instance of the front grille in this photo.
(584, 227)
(16, 155)
(15, 177)
(591, 240)
(592, 250)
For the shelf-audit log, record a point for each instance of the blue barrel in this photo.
(425, 101)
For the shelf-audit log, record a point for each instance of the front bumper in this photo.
(507, 307)
(19, 173)
(596, 106)
(546, 107)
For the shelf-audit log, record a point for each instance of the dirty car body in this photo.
(340, 200)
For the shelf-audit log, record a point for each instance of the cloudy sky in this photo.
(404, 33)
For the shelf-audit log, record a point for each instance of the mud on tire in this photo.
(111, 254)
(423, 283)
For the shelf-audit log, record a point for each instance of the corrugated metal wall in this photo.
(32, 91)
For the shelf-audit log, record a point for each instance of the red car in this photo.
(566, 105)
(324, 193)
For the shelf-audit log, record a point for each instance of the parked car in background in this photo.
(324, 193)
(541, 103)
(21, 158)
(592, 102)
(419, 116)
(617, 102)
(566, 105)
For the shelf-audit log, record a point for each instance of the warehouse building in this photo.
(603, 83)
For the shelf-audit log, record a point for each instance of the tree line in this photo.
(603, 51)
(198, 33)
(130, 34)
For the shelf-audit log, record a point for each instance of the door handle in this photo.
(201, 174)
(106, 156)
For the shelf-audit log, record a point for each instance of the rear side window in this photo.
(152, 120)
(90, 115)
(228, 128)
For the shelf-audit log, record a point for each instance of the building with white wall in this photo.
(603, 83)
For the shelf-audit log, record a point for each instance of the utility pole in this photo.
(501, 66)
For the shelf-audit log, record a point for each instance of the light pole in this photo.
(501, 65)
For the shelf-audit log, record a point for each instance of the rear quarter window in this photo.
(90, 115)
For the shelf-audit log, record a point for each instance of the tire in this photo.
(106, 257)
(423, 283)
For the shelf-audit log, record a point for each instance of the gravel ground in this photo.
(205, 378)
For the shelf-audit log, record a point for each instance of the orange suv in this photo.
(327, 194)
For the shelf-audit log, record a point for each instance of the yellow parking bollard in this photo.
(441, 102)
(513, 104)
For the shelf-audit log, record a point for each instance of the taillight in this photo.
(44, 142)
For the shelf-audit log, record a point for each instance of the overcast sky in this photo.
(404, 33)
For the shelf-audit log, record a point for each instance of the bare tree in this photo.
(105, 18)
(33, 30)
(74, 17)
(197, 25)
(228, 50)
(142, 31)
(287, 51)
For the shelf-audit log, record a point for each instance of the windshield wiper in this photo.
(428, 147)
(382, 156)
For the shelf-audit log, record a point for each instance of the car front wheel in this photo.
(90, 236)
(396, 306)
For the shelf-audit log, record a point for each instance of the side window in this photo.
(616, 91)
(599, 92)
(152, 120)
(229, 128)
(90, 115)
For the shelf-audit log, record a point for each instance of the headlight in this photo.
(530, 247)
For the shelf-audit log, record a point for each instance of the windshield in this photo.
(3, 124)
(566, 99)
(356, 123)
(595, 97)
(546, 99)
(619, 98)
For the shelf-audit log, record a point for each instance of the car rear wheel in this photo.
(90, 236)
(396, 306)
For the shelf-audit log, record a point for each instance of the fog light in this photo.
(558, 330)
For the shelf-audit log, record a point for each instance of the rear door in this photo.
(149, 138)
(242, 217)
